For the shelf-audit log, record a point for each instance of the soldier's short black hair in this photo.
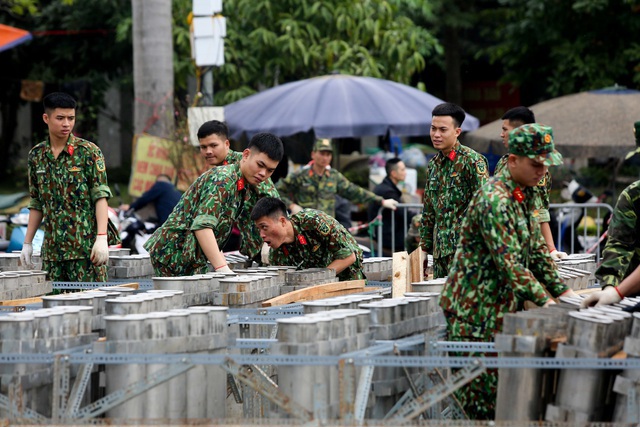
(58, 100)
(450, 109)
(391, 165)
(269, 144)
(213, 127)
(269, 206)
(519, 116)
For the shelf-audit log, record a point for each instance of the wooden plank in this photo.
(311, 291)
(133, 285)
(337, 294)
(23, 301)
(416, 265)
(399, 284)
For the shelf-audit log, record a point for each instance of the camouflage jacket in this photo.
(250, 241)
(65, 190)
(319, 240)
(501, 261)
(216, 200)
(541, 192)
(310, 190)
(448, 191)
(621, 255)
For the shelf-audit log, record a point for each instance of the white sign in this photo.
(198, 115)
(206, 7)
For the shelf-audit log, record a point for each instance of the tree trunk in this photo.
(153, 67)
(452, 65)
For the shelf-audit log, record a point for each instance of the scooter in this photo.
(134, 232)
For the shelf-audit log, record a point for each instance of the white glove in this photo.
(295, 208)
(25, 255)
(599, 298)
(224, 269)
(557, 255)
(264, 254)
(570, 293)
(100, 251)
(548, 303)
(390, 204)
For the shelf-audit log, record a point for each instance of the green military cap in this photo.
(323, 145)
(636, 133)
(414, 228)
(536, 142)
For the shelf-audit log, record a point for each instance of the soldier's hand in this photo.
(608, 295)
(224, 269)
(100, 251)
(25, 255)
(569, 293)
(557, 255)
(548, 303)
(264, 254)
(390, 204)
(294, 208)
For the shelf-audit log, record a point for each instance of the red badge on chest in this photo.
(70, 150)
(240, 184)
(452, 155)
(301, 239)
(518, 195)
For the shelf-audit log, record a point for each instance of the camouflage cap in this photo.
(323, 145)
(536, 142)
(636, 133)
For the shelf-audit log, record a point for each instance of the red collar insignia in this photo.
(225, 163)
(70, 149)
(301, 239)
(285, 250)
(452, 155)
(518, 195)
(240, 184)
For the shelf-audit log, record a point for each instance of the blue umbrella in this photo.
(336, 106)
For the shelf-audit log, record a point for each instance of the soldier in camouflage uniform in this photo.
(501, 259)
(213, 137)
(513, 118)
(69, 191)
(621, 254)
(219, 198)
(316, 184)
(453, 175)
(307, 239)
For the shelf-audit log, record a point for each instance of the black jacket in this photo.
(388, 190)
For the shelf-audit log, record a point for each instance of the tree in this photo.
(561, 47)
(276, 41)
(153, 67)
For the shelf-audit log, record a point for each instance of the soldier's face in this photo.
(322, 158)
(256, 166)
(444, 133)
(60, 122)
(214, 149)
(504, 134)
(525, 171)
(272, 231)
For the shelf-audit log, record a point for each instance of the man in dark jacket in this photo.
(164, 196)
(388, 189)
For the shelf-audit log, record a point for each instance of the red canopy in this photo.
(11, 37)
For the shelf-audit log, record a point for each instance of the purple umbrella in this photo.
(336, 106)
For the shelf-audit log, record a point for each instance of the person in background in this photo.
(453, 176)
(412, 240)
(307, 239)
(202, 219)
(388, 189)
(513, 118)
(164, 196)
(315, 185)
(69, 191)
(501, 260)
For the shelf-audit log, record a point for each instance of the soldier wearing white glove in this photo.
(609, 295)
(25, 255)
(223, 269)
(100, 250)
(390, 204)
(558, 255)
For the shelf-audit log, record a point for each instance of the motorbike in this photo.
(565, 221)
(134, 232)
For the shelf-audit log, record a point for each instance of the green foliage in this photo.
(565, 47)
(271, 42)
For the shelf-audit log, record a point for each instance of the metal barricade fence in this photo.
(568, 218)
